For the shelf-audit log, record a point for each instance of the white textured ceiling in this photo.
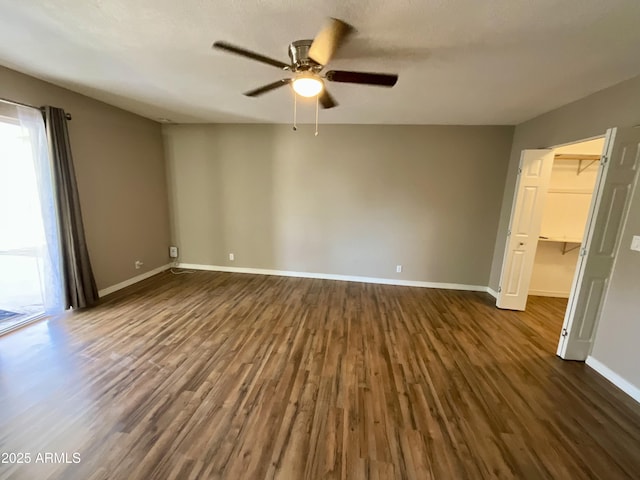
(459, 61)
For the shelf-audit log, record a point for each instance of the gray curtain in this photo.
(80, 286)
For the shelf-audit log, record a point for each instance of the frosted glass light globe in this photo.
(307, 85)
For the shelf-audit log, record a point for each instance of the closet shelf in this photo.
(560, 239)
(576, 156)
(588, 159)
(586, 191)
(568, 244)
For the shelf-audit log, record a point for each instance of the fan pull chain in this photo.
(295, 111)
(317, 101)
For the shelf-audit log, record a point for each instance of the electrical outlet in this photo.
(398, 268)
(138, 264)
(232, 257)
(635, 243)
(173, 252)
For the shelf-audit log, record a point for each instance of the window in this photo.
(30, 279)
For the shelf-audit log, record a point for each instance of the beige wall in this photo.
(553, 270)
(356, 200)
(618, 331)
(120, 170)
(590, 147)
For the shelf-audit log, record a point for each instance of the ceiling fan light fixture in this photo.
(307, 85)
(308, 60)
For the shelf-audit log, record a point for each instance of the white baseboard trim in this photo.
(492, 292)
(624, 385)
(332, 276)
(131, 281)
(549, 293)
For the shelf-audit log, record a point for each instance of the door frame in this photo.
(592, 214)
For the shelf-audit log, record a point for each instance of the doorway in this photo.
(596, 248)
(564, 217)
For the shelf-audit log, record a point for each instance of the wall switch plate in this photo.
(398, 268)
(173, 252)
(635, 243)
(232, 257)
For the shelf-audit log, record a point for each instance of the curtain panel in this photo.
(79, 284)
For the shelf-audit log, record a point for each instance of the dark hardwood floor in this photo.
(231, 376)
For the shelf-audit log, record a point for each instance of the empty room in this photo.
(319, 240)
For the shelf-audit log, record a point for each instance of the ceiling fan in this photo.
(308, 59)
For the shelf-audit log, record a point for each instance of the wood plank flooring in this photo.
(231, 376)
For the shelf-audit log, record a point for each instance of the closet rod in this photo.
(6, 100)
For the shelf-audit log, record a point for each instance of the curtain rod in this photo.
(6, 100)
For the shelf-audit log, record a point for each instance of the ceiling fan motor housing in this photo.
(299, 55)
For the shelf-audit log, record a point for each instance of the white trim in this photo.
(549, 293)
(624, 385)
(131, 281)
(332, 276)
(492, 292)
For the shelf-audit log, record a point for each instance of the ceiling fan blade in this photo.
(227, 47)
(329, 40)
(326, 100)
(268, 88)
(365, 78)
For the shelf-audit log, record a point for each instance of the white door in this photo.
(534, 175)
(616, 180)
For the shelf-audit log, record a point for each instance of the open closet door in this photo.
(534, 175)
(618, 174)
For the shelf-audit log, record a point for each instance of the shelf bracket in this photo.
(566, 249)
(581, 168)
